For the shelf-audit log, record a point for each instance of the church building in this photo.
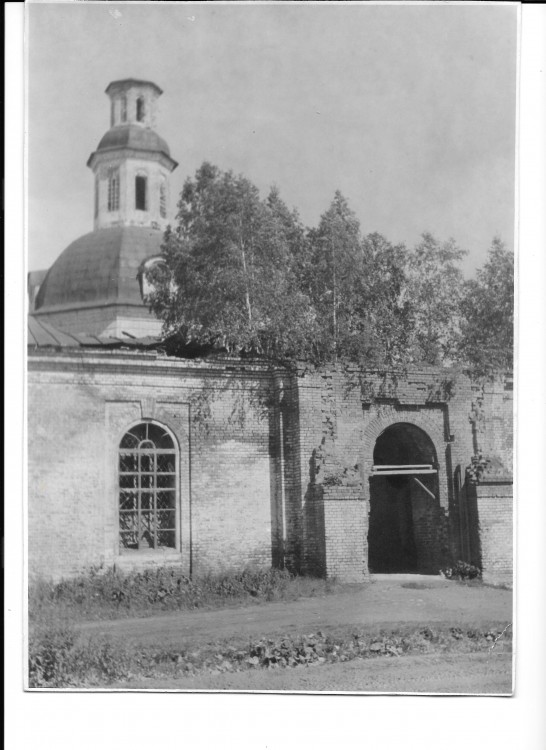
(140, 455)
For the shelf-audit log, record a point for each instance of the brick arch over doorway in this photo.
(407, 526)
(431, 424)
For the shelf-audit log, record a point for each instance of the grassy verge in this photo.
(100, 595)
(62, 658)
(59, 656)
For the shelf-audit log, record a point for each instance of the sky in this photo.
(409, 110)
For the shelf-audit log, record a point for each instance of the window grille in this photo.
(140, 193)
(140, 109)
(163, 199)
(113, 190)
(147, 489)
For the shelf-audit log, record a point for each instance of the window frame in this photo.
(112, 203)
(139, 527)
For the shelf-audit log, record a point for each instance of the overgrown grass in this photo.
(60, 658)
(112, 594)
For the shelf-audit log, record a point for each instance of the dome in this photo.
(99, 269)
(135, 137)
(128, 82)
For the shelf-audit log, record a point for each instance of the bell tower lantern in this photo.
(132, 162)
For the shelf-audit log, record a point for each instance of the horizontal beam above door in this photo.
(401, 466)
(403, 469)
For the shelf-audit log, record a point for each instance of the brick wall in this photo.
(342, 414)
(274, 468)
(79, 407)
(345, 525)
(491, 502)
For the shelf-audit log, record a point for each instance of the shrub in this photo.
(462, 571)
(100, 661)
(113, 593)
(479, 464)
(49, 657)
(57, 659)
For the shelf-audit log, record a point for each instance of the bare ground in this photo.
(385, 602)
(450, 673)
(388, 602)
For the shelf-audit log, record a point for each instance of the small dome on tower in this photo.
(127, 83)
(131, 136)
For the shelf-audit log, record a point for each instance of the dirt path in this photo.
(461, 673)
(384, 602)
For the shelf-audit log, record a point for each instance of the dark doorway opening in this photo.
(403, 521)
(391, 536)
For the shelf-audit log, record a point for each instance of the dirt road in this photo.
(461, 673)
(384, 602)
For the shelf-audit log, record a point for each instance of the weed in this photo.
(50, 657)
(112, 594)
(57, 658)
(462, 571)
(71, 663)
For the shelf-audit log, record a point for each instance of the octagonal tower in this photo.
(132, 162)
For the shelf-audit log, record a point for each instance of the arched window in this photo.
(147, 489)
(96, 196)
(162, 198)
(140, 109)
(140, 193)
(123, 108)
(150, 270)
(113, 190)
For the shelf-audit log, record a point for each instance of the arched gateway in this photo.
(405, 514)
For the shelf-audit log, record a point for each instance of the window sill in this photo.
(147, 558)
(149, 553)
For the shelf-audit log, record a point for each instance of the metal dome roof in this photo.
(99, 269)
(127, 82)
(133, 136)
(42, 335)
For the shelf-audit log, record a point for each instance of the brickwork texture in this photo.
(273, 468)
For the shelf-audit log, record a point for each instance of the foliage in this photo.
(336, 280)
(100, 661)
(51, 657)
(462, 571)
(435, 287)
(113, 594)
(487, 327)
(388, 316)
(242, 274)
(228, 277)
(57, 657)
(478, 466)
